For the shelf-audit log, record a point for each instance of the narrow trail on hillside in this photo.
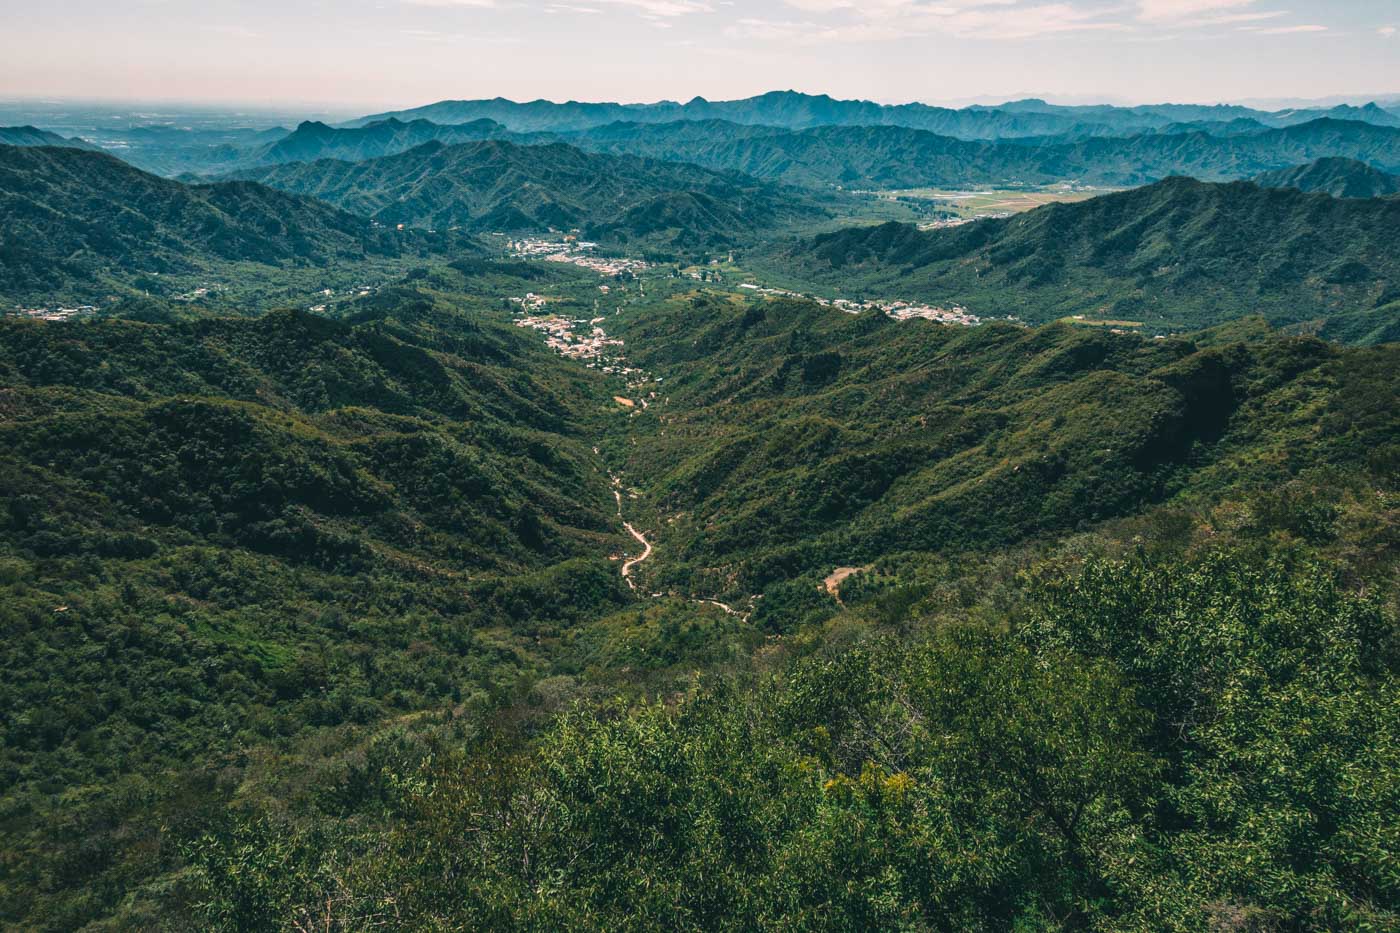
(627, 567)
(617, 359)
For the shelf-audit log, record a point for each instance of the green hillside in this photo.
(797, 439)
(1180, 254)
(500, 186)
(291, 603)
(1341, 178)
(79, 222)
(240, 534)
(357, 576)
(899, 157)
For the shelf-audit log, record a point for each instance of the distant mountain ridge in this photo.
(898, 157)
(33, 136)
(785, 109)
(1341, 178)
(793, 110)
(314, 140)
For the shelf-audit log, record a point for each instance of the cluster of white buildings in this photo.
(899, 310)
(954, 314)
(531, 302)
(54, 314)
(944, 223)
(595, 345)
(355, 291)
(575, 253)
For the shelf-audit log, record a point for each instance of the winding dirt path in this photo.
(627, 567)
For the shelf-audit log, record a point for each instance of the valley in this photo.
(772, 513)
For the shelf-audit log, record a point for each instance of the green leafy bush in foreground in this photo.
(1201, 746)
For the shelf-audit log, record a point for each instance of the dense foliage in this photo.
(1200, 745)
(311, 622)
(791, 439)
(754, 614)
(1179, 254)
(233, 534)
(897, 157)
(78, 221)
(1341, 178)
(500, 186)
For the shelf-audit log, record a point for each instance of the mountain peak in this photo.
(1339, 177)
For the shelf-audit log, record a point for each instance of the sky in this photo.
(361, 55)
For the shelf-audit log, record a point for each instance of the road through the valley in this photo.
(627, 567)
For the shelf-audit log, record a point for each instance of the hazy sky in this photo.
(368, 54)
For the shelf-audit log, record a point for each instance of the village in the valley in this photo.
(575, 252)
(899, 310)
(55, 313)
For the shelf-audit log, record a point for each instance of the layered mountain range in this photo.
(501, 186)
(1341, 178)
(1180, 252)
(824, 545)
(80, 218)
(793, 110)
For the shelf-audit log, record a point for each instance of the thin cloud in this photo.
(1287, 30)
(664, 9)
(1161, 11)
(877, 20)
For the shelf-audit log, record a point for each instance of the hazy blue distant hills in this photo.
(189, 145)
(897, 157)
(175, 150)
(33, 136)
(315, 140)
(500, 186)
(779, 108)
(1341, 178)
(72, 216)
(701, 131)
(1181, 252)
(1240, 126)
(1163, 114)
(791, 110)
(1371, 113)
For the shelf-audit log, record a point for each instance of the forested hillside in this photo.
(293, 603)
(1198, 742)
(1101, 636)
(798, 440)
(78, 221)
(233, 535)
(500, 186)
(1341, 178)
(707, 516)
(1178, 254)
(898, 157)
